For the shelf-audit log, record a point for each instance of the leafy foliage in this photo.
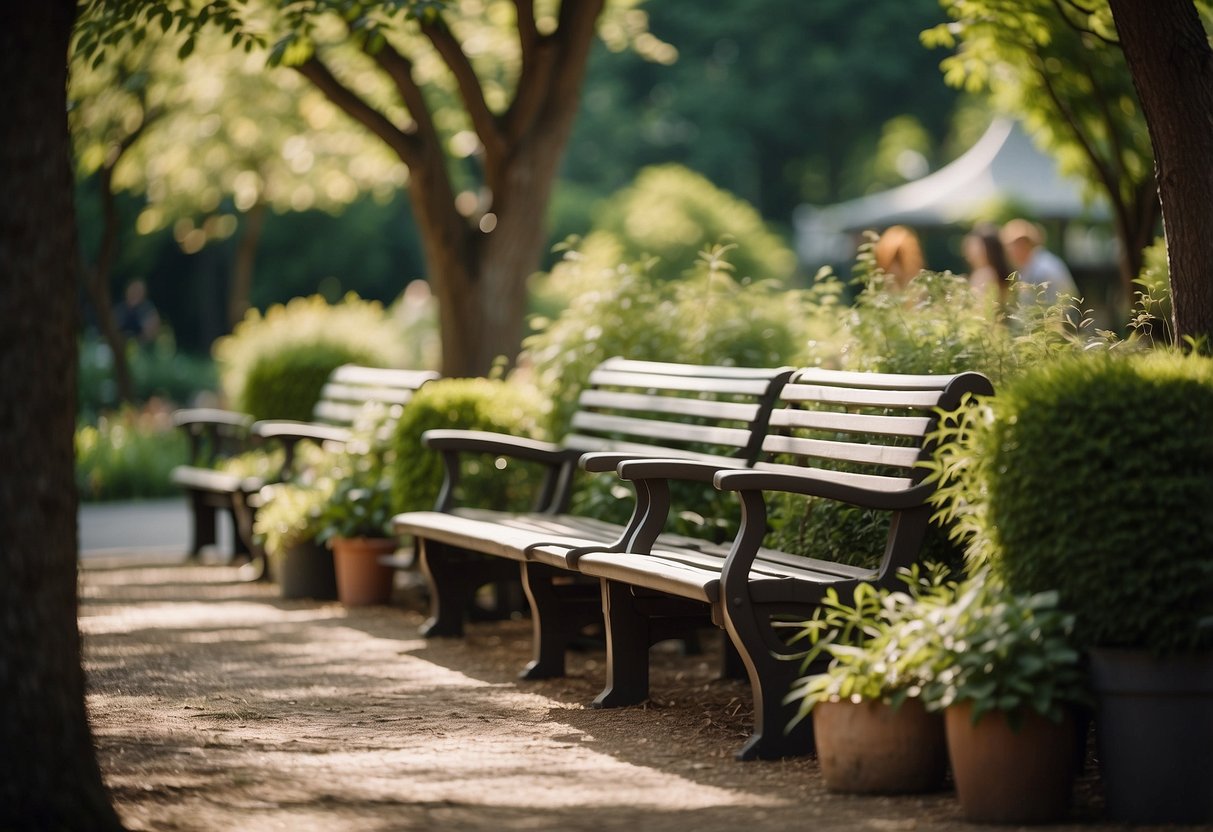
(1058, 66)
(158, 371)
(1000, 651)
(286, 384)
(943, 642)
(474, 404)
(127, 454)
(779, 103)
(670, 213)
(1091, 476)
(273, 366)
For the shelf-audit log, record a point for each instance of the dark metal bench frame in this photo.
(629, 410)
(215, 435)
(856, 438)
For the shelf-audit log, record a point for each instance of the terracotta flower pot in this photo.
(361, 579)
(1005, 775)
(873, 748)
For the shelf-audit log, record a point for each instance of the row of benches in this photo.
(845, 436)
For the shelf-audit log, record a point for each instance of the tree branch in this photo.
(1061, 5)
(483, 121)
(400, 70)
(528, 34)
(555, 65)
(349, 102)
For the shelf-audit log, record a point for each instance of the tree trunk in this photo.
(1169, 57)
(243, 264)
(49, 778)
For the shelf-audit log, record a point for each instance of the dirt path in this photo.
(217, 706)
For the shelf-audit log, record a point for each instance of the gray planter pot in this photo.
(1154, 734)
(305, 570)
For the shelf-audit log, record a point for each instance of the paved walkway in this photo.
(150, 529)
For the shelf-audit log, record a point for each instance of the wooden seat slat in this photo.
(653, 381)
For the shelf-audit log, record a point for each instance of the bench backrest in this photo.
(350, 388)
(659, 409)
(863, 429)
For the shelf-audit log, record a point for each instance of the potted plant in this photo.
(355, 520)
(1093, 477)
(287, 526)
(1008, 680)
(872, 733)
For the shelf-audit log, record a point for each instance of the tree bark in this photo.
(244, 263)
(49, 778)
(478, 266)
(1168, 54)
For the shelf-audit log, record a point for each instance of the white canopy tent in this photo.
(1002, 167)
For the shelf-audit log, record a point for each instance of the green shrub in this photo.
(127, 455)
(1094, 476)
(474, 404)
(671, 213)
(270, 364)
(286, 383)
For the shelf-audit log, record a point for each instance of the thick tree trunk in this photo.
(1169, 57)
(49, 777)
(241, 287)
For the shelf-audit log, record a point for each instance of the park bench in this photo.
(629, 409)
(216, 435)
(842, 436)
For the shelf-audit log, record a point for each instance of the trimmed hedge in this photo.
(1096, 475)
(474, 404)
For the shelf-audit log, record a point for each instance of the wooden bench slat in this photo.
(654, 429)
(359, 395)
(850, 422)
(383, 376)
(871, 454)
(881, 398)
(674, 405)
(696, 370)
(875, 482)
(588, 444)
(698, 384)
(888, 381)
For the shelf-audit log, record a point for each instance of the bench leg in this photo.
(204, 518)
(558, 613)
(771, 678)
(453, 576)
(628, 639)
(449, 594)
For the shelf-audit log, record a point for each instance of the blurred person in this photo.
(135, 316)
(988, 267)
(1038, 268)
(899, 254)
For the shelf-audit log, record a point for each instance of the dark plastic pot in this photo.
(305, 570)
(1154, 733)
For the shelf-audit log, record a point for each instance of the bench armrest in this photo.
(213, 434)
(286, 430)
(670, 469)
(821, 484)
(191, 416)
(498, 444)
(452, 443)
